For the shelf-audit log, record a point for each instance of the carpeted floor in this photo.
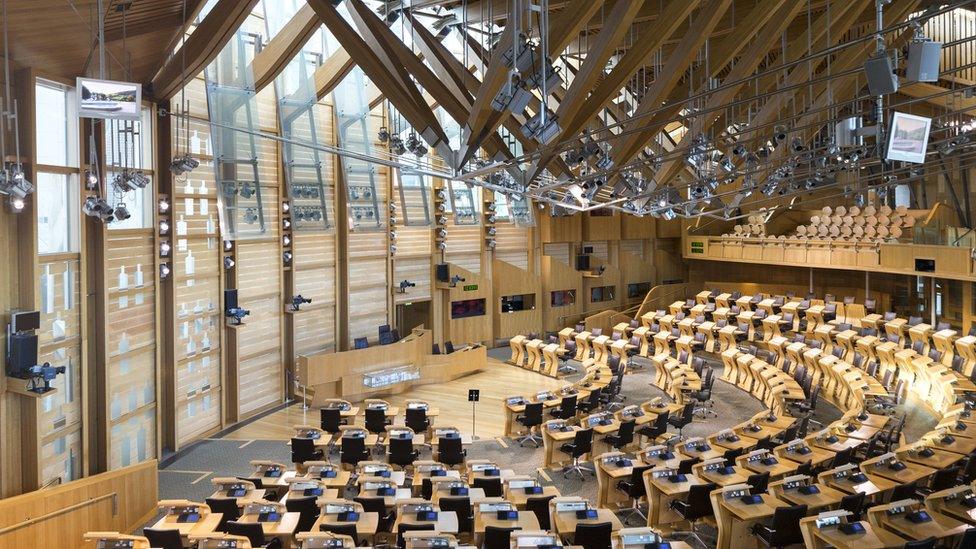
(188, 476)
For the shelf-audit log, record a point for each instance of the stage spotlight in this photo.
(122, 213)
(164, 270)
(163, 206)
(796, 145)
(91, 180)
(16, 204)
(384, 134)
(229, 262)
(183, 164)
(164, 249)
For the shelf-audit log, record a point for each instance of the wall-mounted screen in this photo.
(467, 308)
(515, 303)
(562, 298)
(108, 99)
(602, 293)
(908, 138)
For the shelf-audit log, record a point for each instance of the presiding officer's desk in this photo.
(910, 520)
(830, 529)
(337, 512)
(188, 517)
(383, 369)
(116, 540)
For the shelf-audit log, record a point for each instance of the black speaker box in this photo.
(22, 354)
(923, 61)
(882, 79)
(230, 299)
(443, 272)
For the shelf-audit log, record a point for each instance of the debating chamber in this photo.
(488, 274)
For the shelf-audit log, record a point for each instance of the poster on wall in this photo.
(908, 138)
(108, 99)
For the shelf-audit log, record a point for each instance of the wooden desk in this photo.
(940, 527)
(340, 480)
(815, 457)
(446, 523)
(283, 529)
(827, 497)
(252, 496)
(871, 538)
(776, 470)
(205, 525)
(910, 473)
(526, 521)
(939, 459)
(552, 439)
(873, 486)
(608, 473)
(735, 520)
(519, 498)
(517, 344)
(366, 526)
(565, 523)
(660, 493)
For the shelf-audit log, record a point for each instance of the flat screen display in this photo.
(908, 137)
(108, 99)
(467, 308)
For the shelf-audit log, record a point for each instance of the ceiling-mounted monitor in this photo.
(908, 137)
(108, 99)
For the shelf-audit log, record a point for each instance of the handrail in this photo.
(52, 514)
(671, 289)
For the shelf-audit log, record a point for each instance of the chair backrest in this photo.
(838, 351)
(927, 543)
(340, 530)
(302, 450)
(597, 332)
(401, 451)
(416, 419)
(227, 507)
(583, 441)
(435, 349)
(491, 486)
(759, 482)
(958, 362)
(854, 503)
(848, 300)
(308, 511)
(330, 419)
(785, 521)
(626, 431)
(593, 536)
(384, 329)
(634, 323)
(661, 423)
(829, 298)
(352, 450)
(914, 320)
(567, 407)
(699, 503)
(498, 538)
(250, 530)
(533, 414)
(163, 538)
(360, 343)
(462, 507)
(685, 465)
(403, 527)
(842, 457)
(945, 478)
(540, 507)
(449, 451)
(375, 420)
(449, 347)
(904, 491)
(635, 488)
(688, 413)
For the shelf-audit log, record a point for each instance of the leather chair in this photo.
(227, 507)
(402, 452)
(341, 530)
(461, 506)
(531, 418)
(759, 482)
(540, 507)
(696, 506)
(303, 449)
(491, 486)
(254, 532)
(163, 538)
(401, 528)
(308, 511)
(623, 437)
(416, 419)
(783, 530)
(854, 503)
(498, 538)
(378, 505)
(653, 430)
(683, 420)
(633, 486)
(566, 409)
(353, 450)
(593, 536)
(450, 451)
(582, 444)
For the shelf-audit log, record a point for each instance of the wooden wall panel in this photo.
(508, 279)
(416, 270)
(558, 252)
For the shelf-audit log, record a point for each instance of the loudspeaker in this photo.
(582, 263)
(443, 272)
(230, 300)
(923, 61)
(881, 75)
(22, 354)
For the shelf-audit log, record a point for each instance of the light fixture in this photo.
(384, 134)
(247, 190)
(16, 204)
(91, 180)
(163, 227)
(286, 206)
(183, 164)
(14, 183)
(121, 212)
(164, 248)
(287, 257)
(229, 262)
(297, 302)
(164, 270)
(286, 240)
(228, 245)
(99, 208)
(286, 223)
(163, 206)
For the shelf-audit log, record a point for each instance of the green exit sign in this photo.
(471, 288)
(697, 247)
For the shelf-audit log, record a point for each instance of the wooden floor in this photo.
(497, 382)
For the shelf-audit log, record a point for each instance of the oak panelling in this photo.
(561, 229)
(314, 273)
(600, 252)
(121, 501)
(416, 270)
(258, 270)
(259, 332)
(558, 251)
(261, 382)
(633, 247)
(518, 258)
(511, 245)
(601, 227)
(315, 330)
(133, 439)
(558, 276)
(473, 329)
(633, 227)
(61, 456)
(508, 279)
(633, 270)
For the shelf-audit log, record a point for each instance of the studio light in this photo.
(229, 262)
(384, 134)
(164, 227)
(297, 302)
(16, 204)
(285, 207)
(122, 213)
(99, 208)
(396, 146)
(163, 206)
(164, 270)
(251, 216)
(91, 180)
(228, 245)
(14, 183)
(183, 164)
(286, 240)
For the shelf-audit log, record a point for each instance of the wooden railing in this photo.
(661, 296)
(119, 501)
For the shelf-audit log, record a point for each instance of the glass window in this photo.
(601, 293)
(57, 213)
(138, 202)
(56, 124)
(562, 298)
(128, 144)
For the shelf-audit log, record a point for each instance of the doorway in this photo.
(412, 315)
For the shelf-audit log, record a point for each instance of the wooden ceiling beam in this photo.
(784, 13)
(371, 58)
(275, 56)
(332, 71)
(202, 47)
(626, 147)
(570, 21)
(483, 118)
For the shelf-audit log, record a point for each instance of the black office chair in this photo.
(353, 450)
(685, 419)
(450, 451)
(378, 505)
(491, 486)
(685, 465)
(426, 489)
(696, 506)
(570, 354)
(968, 538)
(927, 543)
(623, 437)
(342, 530)
(592, 402)
(531, 418)
(842, 457)
(759, 482)
(461, 506)
(498, 538)
(783, 530)
(376, 421)
(566, 409)
(401, 452)
(435, 349)
(227, 508)
(969, 471)
(653, 430)
(330, 419)
(582, 444)
(401, 528)
(593, 536)
(540, 507)
(303, 449)
(633, 486)
(854, 504)
(254, 532)
(416, 419)
(163, 538)
(904, 491)
(610, 395)
(731, 455)
(307, 509)
(943, 478)
(704, 396)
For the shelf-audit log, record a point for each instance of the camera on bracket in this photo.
(404, 284)
(40, 377)
(298, 300)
